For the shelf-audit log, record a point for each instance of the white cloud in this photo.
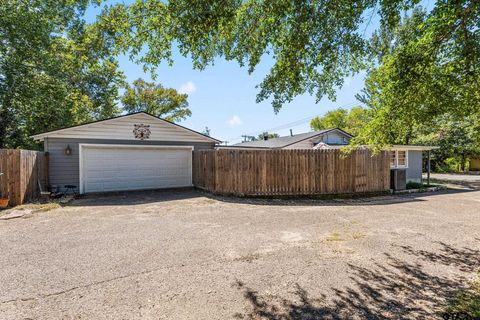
(187, 88)
(235, 121)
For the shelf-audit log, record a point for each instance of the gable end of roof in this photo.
(41, 136)
(320, 133)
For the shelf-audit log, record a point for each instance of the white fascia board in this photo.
(413, 148)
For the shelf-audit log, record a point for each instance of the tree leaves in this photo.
(267, 135)
(154, 99)
(314, 44)
(422, 75)
(352, 121)
(55, 70)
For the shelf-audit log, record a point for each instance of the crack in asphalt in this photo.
(43, 296)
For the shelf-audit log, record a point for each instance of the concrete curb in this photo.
(429, 189)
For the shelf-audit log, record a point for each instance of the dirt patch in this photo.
(248, 258)
(27, 210)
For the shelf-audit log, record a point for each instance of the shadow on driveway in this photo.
(127, 198)
(163, 195)
(395, 290)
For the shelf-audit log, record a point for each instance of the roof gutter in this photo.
(413, 148)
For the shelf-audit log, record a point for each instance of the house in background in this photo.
(309, 140)
(402, 157)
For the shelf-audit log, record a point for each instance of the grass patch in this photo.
(420, 186)
(248, 258)
(423, 186)
(39, 207)
(467, 301)
(335, 236)
(210, 201)
(357, 235)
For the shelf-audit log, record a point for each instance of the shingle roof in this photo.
(282, 141)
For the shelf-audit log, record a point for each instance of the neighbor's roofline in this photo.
(320, 133)
(41, 136)
(333, 146)
(297, 141)
(343, 131)
(243, 147)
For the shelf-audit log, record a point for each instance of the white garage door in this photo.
(117, 168)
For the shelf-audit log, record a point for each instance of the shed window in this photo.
(399, 159)
(393, 160)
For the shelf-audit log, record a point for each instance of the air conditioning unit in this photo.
(398, 179)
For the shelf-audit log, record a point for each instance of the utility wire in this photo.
(288, 125)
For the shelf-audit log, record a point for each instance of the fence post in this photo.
(46, 169)
(14, 161)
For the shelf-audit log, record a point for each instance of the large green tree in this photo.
(428, 67)
(457, 139)
(55, 70)
(313, 44)
(332, 119)
(153, 98)
(352, 121)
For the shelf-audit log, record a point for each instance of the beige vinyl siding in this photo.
(122, 129)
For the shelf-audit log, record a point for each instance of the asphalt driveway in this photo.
(187, 255)
(467, 180)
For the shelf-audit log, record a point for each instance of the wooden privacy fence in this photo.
(290, 172)
(23, 171)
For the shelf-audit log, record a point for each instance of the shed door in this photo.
(118, 168)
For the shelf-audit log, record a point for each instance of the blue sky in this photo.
(222, 97)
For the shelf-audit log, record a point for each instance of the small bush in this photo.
(453, 164)
(449, 165)
(415, 185)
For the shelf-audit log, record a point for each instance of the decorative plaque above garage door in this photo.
(141, 131)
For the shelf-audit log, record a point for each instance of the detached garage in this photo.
(132, 152)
